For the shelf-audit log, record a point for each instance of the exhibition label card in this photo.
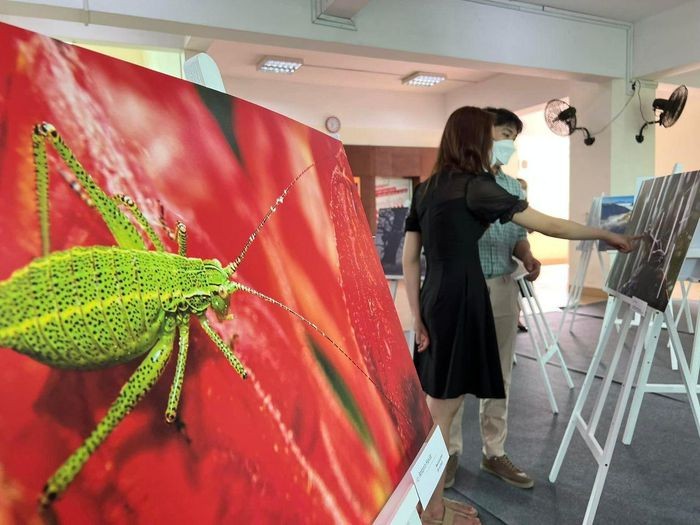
(428, 467)
(407, 513)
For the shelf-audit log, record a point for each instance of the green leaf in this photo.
(343, 394)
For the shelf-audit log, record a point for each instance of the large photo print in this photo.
(665, 215)
(194, 324)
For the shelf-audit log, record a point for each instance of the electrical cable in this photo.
(636, 87)
(641, 110)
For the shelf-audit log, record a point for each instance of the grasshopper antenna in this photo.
(296, 314)
(239, 286)
(234, 265)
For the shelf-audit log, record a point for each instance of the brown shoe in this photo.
(451, 470)
(503, 467)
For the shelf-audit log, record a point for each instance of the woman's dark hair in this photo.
(503, 116)
(466, 142)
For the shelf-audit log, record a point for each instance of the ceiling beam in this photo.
(336, 13)
(471, 34)
(342, 8)
(667, 43)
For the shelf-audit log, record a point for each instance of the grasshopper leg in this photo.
(136, 212)
(140, 382)
(176, 388)
(181, 239)
(230, 356)
(123, 230)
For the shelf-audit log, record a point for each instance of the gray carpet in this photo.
(655, 480)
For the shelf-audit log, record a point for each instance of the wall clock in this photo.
(333, 124)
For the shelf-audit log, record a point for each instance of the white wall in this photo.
(543, 161)
(516, 92)
(369, 117)
(169, 62)
(667, 42)
(629, 158)
(590, 165)
(680, 142)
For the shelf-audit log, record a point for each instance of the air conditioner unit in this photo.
(201, 69)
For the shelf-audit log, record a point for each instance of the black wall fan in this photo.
(671, 110)
(561, 119)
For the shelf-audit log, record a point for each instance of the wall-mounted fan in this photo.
(671, 110)
(561, 119)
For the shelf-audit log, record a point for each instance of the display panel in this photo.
(317, 433)
(615, 212)
(665, 215)
(389, 239)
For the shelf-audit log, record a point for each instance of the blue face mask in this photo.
(502, 152)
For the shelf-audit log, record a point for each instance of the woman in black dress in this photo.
(456, 349)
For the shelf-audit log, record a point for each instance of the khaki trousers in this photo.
(493, 413)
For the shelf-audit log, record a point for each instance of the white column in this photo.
(613, 163)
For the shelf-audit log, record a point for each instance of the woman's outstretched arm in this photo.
(565, 229)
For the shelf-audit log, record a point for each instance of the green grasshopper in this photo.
(92, 307)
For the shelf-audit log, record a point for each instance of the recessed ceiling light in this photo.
(423, 79)
(280, 64)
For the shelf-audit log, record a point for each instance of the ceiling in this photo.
(622, 10)
(331, 68)
(239, 60)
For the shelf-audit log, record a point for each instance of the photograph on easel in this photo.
(615, 213)
(664, 216)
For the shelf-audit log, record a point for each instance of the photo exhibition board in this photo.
(389, 239)
(665, 215)
(392, 199)
(320, 431)
(615, 212)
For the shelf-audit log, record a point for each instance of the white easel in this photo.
(576, 288)
(603, 454)
(685, 279)
(690, 272)
(688, 275)
(543, 340)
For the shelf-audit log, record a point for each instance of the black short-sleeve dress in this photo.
(451, 211)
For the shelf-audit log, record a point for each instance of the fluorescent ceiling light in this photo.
(423, 79)
(280, 64)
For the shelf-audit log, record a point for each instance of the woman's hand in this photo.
(623, 243)
(422, 339)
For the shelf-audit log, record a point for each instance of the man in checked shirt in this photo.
(497, 247)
